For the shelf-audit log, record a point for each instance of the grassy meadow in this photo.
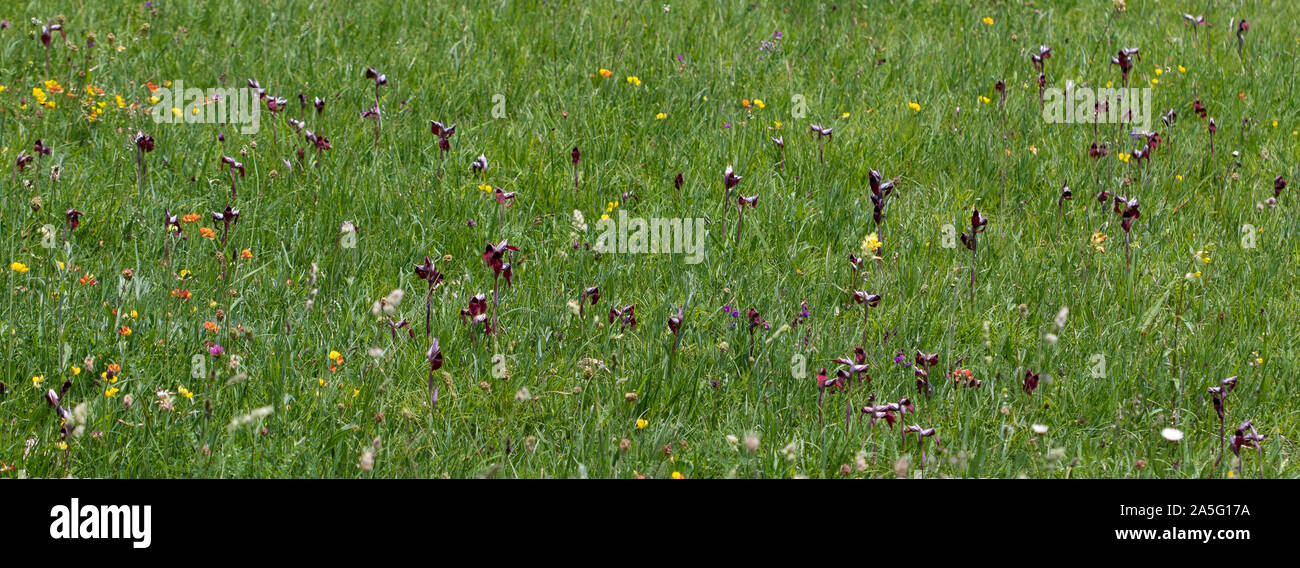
(271, 348)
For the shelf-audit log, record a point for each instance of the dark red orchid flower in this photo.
(575, 155)
(318, 141)
(1040, 58)
(230, 163)
(1098, 150)
(675, 324)
(46, 33)
(1066, 194)
(923, 359)
(379, 78)
(1030, 383)
(143, 141)
(626, 315)
(40, 148)
(1198, 108)
(171, 221)
(730, 179)
(978, 223)
(1279, 184)
(479, 165)
(23, 160)
(319, 103)
(428, 272)
(440, 130)
(502, 196)
(494, 256)
(257, 88)
(1124, 59)
(297, 125)
(74, 218)
(1129, 214)
(1247, 437)
(1169, 117)
(477, 306)
(1219, 395)
(434, 356)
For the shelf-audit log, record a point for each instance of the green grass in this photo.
(1165, 339)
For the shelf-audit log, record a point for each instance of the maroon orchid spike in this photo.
(1196, 22)
(743, 201)
(40, 148)
(319, 103)
(1169, 117)
(494, 255)
(1242, 27)
(923, 359)
(171, 222)
(257, 88)
(592, 295)
(1219, 396)
(822, 135)
(230, 165)
(379, 78)
(677, 184)
(1001, 88)
(229, 217)
(825, 383)
(1128, 214)
(1198, 108)
(880, 197)
(625, 315)
(1040, 58)
(755, 320)
(1247, 437)
(429, 274)
(675, 326)
(439, 129)
(1103, 197)
(444, 134)
(302, 101)
(46, 35)
(1098, 151)
(143, 145)
(1030, 383)
(730, 179)
(24, 159)
(143, 141)
(479, 165)
(970, 239)
(74, 219)
(297, 125)
(476, 313)
(1124, 59)
(1279, 184)
(854, 369)
(319, 142)
(921, 435)
(434, 357)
